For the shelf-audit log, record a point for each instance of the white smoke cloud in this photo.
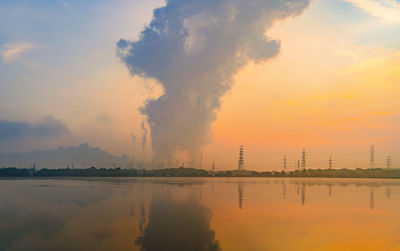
(193, 49)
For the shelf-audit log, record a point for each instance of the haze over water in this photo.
(199, 214)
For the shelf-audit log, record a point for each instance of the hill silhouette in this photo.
(82, 156)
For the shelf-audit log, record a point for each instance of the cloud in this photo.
(47, 127)
(13, 51)
(388, 10)
(193, 49)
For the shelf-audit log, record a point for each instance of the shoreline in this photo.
(371, 173)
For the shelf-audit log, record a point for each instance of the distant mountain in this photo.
(82, 156)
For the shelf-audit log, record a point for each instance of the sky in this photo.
(332, 89)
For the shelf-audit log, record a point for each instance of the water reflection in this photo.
(388, 191)
(142, 219)
(301, 185)
(177, 225)
(303, 193)
(200, 214)
(284, 189)
(240, 195)
(371, 198)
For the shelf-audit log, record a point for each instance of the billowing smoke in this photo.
(144, 137)
(193, 49)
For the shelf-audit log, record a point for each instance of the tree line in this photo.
(192, 172)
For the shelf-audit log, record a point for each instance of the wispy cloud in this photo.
(388, 10)
(13, 51)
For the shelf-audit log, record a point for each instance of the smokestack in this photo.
(144, 139)
(201, 160)
(193, 49)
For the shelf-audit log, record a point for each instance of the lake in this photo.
(199, 214)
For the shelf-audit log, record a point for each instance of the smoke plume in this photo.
(144, 137)
(133, 138)
(193, 49)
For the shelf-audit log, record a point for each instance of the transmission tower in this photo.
(284, 163)
(389, 162)
(303, 159)
(372, 157)
(241, 159)
(213, 166)
(330, 163)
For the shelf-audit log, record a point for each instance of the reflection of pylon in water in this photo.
(371, 199)
(241, 159)
(388, 192)
(240, 190)
(284, 189)
(303, 194)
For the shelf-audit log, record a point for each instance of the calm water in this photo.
(199, 214)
